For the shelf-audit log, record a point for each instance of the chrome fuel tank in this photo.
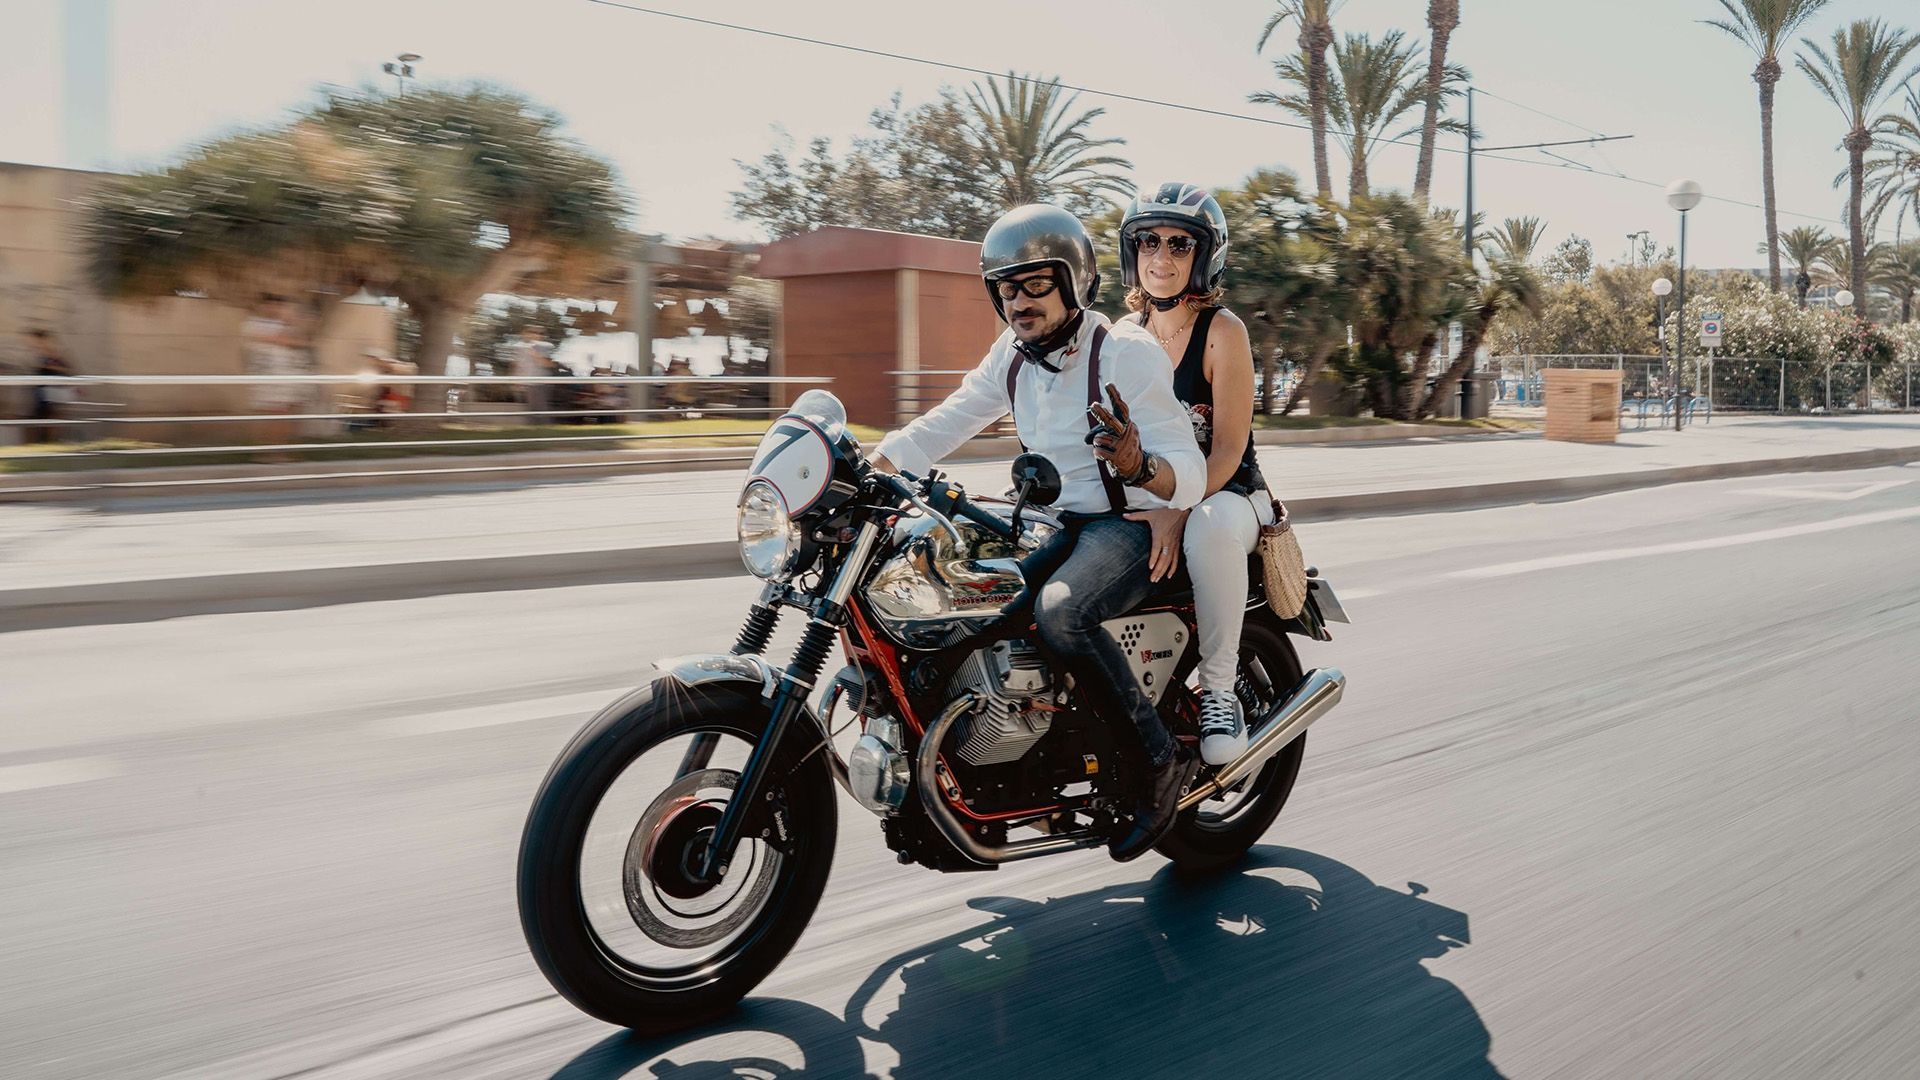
(932, 592)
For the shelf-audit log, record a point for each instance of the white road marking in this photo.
(1825, 494)
(583, 704)
(45, 774)
(1614, 554)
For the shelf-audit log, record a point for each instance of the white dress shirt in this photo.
(1051, 414)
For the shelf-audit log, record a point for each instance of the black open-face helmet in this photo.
(1186, 207)
(1036, 235)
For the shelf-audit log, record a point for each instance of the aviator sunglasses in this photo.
(1177, 246)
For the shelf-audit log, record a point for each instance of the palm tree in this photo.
(1443, 18)
(1374, 85)
(1806, 245)
(1762, 25)
(1516, 239)
(1902, 275)
(1863, 66)
(1893, 176)
(1033, 150)
(1510, 285)
(1316, 35)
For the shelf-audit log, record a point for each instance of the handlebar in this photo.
(906, 487)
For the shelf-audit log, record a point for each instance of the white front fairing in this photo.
(796, 458)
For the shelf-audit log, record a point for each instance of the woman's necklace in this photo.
(1165, 341)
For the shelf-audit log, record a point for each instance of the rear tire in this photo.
(1202, 840)
(553, 908)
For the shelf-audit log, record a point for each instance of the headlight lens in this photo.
(769, 540)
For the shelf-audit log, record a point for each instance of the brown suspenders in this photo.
(1116, 492)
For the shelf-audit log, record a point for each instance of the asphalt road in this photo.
(1620, 787)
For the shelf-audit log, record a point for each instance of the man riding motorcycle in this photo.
(1047, 370)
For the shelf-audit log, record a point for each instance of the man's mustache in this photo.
(1021, 313)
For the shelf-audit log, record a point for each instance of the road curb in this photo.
(440, 472)
(145, 600)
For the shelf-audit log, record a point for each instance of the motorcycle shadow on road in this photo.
(1294, 965)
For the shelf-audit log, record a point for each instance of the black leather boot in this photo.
(1158, 807)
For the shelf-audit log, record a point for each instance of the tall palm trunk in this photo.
(1443, 17)
(1858, 140)
(1315, 40)
(1767, 75)
(1357, 176)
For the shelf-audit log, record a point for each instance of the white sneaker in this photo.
(1223, 731)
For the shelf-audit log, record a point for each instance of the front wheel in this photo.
(612, 910)
(1215, 834)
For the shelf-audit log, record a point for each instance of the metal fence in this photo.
(92, 433)
(1742, 384)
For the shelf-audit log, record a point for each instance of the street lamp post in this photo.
(1661, 287)
(1682, 195)
(401, 68)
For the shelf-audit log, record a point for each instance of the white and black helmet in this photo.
(1184, 206)
(1036, 235)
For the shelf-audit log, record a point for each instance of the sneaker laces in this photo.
(1219, 712)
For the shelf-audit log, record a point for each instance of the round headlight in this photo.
(769, 540)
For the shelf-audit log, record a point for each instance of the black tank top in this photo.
(1190, 385)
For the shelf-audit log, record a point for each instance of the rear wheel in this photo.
(612, 909)
(1218, 832)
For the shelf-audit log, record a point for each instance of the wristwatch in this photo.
(1148, 470)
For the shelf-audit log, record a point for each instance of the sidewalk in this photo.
(281, 547)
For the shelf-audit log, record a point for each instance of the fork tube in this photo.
(789, 699)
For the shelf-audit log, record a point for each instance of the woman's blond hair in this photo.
(1137, 299)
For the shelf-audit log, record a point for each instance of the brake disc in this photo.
(666, 900)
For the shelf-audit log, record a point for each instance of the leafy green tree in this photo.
(1572, 260)
(945, 168)
(1286, 278)
(1508, 286)
(1406, 268)
(438, 198)
(1866, 62)
(1762, 26)
(1314, 18)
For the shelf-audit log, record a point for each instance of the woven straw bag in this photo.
(1283, 566)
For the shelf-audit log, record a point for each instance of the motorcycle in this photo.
(681, 841)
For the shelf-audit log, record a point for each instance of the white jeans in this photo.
(1221, 533)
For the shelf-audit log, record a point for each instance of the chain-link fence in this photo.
(1709, 384)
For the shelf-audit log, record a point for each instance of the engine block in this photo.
(1008, 677)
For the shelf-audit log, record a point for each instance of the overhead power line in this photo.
(1228, 114)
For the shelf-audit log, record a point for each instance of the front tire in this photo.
(613, 921)
(1218, 833)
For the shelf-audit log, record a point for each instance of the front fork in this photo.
(789, 698)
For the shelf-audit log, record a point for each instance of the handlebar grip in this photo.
(986, 519)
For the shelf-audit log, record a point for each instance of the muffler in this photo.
(1318, 693)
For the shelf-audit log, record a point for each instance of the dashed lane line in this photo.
(1583, 558)
(46, 774)
(582, 705)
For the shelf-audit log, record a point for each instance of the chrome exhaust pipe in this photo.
(926, 765)
(1319, 692)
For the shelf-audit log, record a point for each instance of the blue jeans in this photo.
(1093, 570)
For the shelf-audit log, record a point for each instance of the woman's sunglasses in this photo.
(1035, 287)
(1177, 246)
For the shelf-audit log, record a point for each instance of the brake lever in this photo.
(906, 489)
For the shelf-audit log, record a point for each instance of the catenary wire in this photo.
(1184, 107)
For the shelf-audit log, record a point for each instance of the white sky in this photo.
(674, 105)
